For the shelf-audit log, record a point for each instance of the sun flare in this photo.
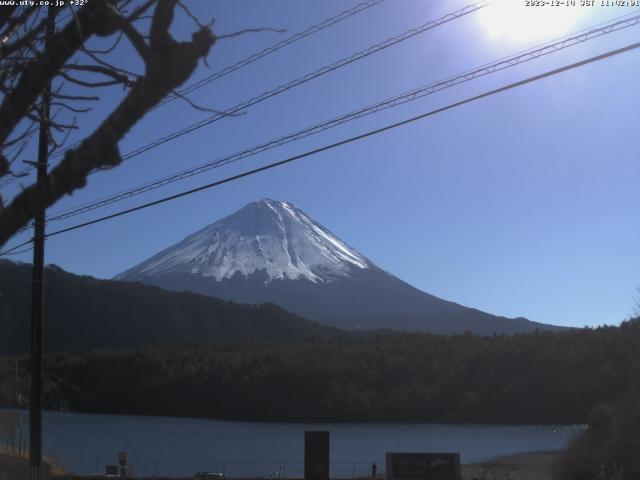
(513, 21)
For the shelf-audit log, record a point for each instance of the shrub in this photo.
(608, 448)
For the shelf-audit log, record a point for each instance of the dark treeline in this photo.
(541, 377)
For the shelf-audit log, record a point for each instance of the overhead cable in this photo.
(498, 65)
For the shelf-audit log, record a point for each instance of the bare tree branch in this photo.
(79, 98)
(92, 19)
(141, 10)
(108, 65)
(86, 84)
(168, 65)
(108, 72)
(251, 30)
(5, 14)
(106, 50)
(7, 49)
(70, 108)
(136, 39)
(195, 106)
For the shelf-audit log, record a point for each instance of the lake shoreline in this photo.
(177, 446)
(524, 466)
(307, 421)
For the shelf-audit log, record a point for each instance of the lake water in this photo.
(181, 446)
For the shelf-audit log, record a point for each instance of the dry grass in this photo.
(16, 468)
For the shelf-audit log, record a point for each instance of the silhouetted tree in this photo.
(27, 68)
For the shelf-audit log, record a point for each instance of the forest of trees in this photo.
(541, 377)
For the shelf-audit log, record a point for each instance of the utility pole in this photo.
(37, 291)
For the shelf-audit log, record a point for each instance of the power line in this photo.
(510, 86)
(306, 78)
(19, 252)
(12, 178)
(356, 138)
(361, 7)
(310, 76)
(501, 64)
(12, 250)
(274, 48)
(301, 80)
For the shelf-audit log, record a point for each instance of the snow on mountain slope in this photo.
(269, 236)
(272, 252)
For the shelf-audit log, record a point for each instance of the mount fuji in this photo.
(271, 251)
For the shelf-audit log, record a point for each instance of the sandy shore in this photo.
(520, 466)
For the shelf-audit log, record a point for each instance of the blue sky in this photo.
(522, 204)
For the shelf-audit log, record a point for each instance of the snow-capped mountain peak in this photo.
(271, 251)
(270, 236)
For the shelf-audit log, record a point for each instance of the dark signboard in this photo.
(423, 466)
(111, 470)
(316, 455)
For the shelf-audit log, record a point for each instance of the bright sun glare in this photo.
(512, 21)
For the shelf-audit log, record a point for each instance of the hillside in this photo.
(534, 378)
(84, 313)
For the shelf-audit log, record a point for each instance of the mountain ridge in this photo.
(266, 235)
(83, 313)
(271, 251)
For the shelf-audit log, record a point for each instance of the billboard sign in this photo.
(423, 466)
